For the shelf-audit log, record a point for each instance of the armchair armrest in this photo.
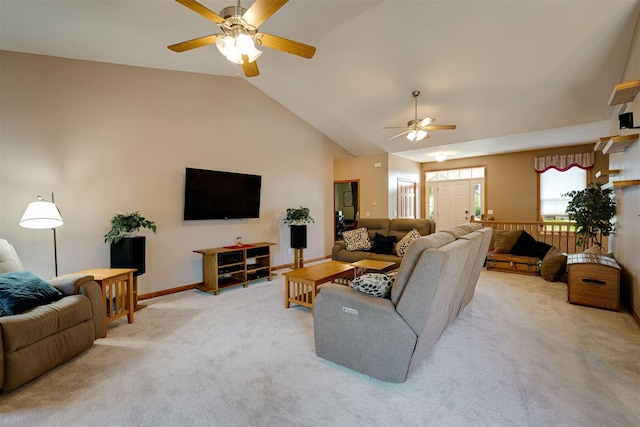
(363, 333)
(84, 285)
(338, 246)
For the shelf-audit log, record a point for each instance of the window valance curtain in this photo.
(563, 162)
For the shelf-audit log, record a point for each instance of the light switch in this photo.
(490, 212)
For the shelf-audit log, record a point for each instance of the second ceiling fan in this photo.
(416, 129)
(240, 27)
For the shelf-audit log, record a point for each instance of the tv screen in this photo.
(221, 195)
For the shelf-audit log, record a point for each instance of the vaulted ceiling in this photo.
(512, 75)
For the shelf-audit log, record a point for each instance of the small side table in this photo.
(371, 264)
(119, 291)
(594, 281)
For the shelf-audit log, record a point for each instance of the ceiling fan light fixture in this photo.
(416, 135)
(440, 157)
(234, 47)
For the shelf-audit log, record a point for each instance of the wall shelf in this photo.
(624, 92)
(618, 144)
(607, 172)
(616, 185)
(601, 142)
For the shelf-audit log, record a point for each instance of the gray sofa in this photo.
(397, 227)
(36, 341)
(387, 338)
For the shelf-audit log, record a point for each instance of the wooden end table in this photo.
(371, 264)
(301, 285)
(119, 292)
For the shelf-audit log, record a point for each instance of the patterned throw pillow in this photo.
(375, 284)
(357, 240)
(402, 245)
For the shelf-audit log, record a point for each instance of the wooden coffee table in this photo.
(301, 285)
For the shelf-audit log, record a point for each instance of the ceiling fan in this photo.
(240, 28)
(416, 129)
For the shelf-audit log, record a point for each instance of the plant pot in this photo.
(298, 236)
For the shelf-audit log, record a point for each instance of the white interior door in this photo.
(453, 203)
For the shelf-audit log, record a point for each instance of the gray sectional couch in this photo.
(387, 338)
(397, 227)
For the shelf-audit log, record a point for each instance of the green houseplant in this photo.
(127, 223)
(592, 209)
(298, 216)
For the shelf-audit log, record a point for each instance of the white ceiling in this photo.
(512, 75)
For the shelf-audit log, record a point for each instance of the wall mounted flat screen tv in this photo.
(221, 195)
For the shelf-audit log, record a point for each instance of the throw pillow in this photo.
(553, 266)
(383, 244)
(403, 244)
(21, 291)
(375, 284)
(526, 245)
(504, 241)
(357, 240)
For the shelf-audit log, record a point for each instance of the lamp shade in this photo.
(41, 214)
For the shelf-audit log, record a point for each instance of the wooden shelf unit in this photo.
(624, 92)
(226, 267)
(601, 142)
(618, 144)
(607, 172)
(617, 185)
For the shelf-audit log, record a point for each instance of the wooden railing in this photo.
(559, 234)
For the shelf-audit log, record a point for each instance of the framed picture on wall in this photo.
(347, 199)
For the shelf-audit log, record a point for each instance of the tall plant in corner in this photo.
(592, 209)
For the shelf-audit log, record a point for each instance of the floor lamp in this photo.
(43, 214)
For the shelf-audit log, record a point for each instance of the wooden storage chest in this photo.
(594, 281)
(513, 263)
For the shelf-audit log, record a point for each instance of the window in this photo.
(553, 184)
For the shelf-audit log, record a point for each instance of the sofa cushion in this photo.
(9, 260)
(553, 266)
(383, 244)
(375, 225)
(399, 227)
(375, 284)
(24, 329)
(504, 241)
(21, 291)
(403, 244)
(357, 240)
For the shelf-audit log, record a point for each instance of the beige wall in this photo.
(626, 241)
(373, 182)
(399, 167)
(111, 139)
(511, 181)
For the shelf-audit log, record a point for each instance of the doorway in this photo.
(346, 203)
(455, 196)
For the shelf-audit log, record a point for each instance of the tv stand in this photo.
(230, 266)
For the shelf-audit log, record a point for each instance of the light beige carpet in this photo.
(518, 355)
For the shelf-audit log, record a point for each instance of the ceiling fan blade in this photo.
(286, 45)
(440, 127)
(261, 10)
(192, 44)
(250, 68)
(400, 134)
(202, 11)
(426, 121)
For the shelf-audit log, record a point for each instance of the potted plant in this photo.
(123, 224)
(592, 209)
(298, 216)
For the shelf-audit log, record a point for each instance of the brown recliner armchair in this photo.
(38, 340)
